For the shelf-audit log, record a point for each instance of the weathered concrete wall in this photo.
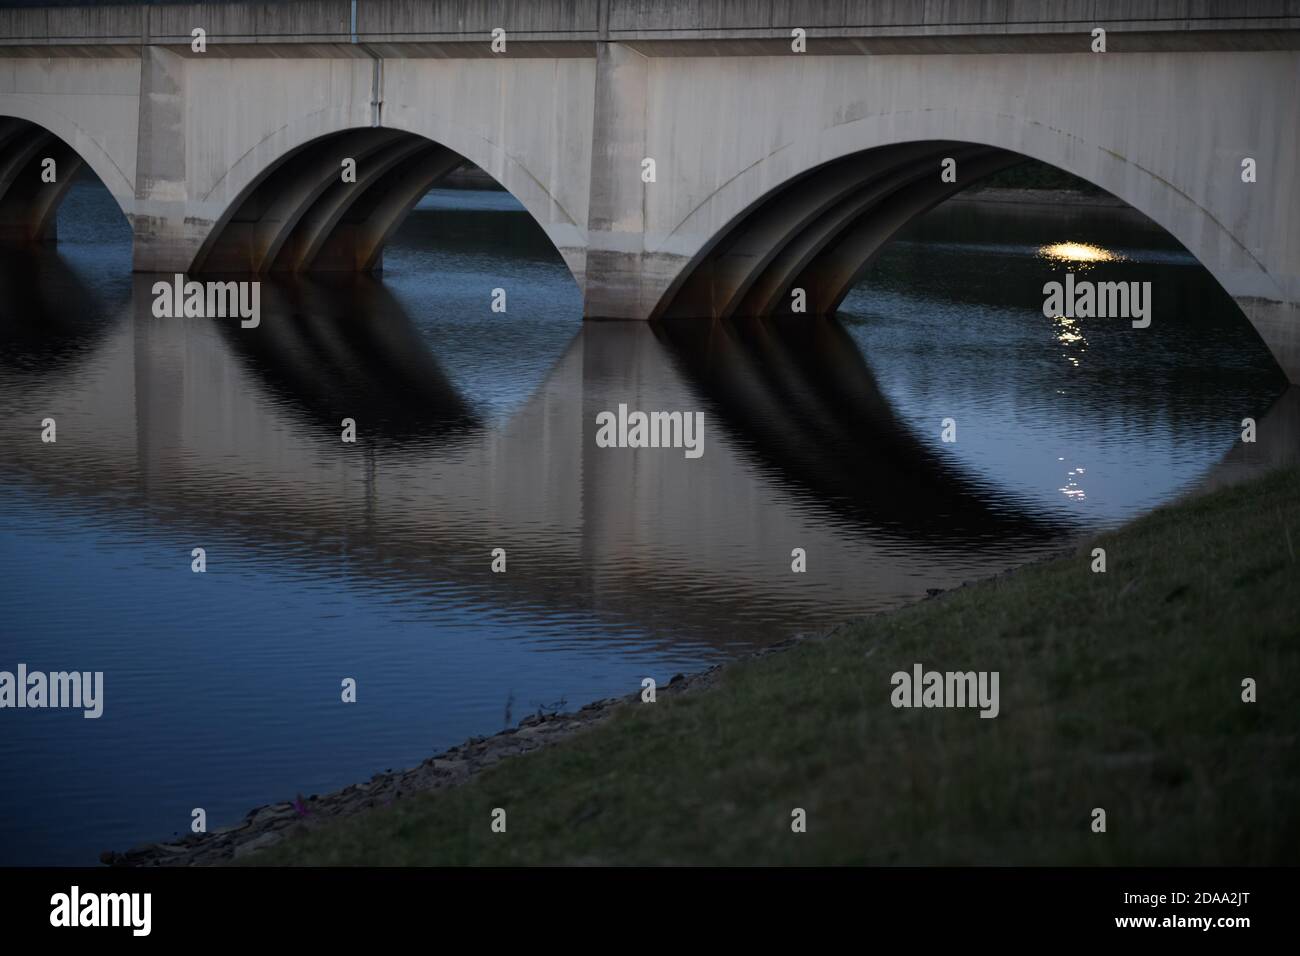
(90, 104)
(1174, 153)
(526, 122)
(210, 127)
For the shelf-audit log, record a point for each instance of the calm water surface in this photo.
(476, 431)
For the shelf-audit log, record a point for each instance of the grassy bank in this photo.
(1119, 690)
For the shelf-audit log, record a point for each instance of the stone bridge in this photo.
(788, 139)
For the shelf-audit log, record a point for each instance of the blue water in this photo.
(372, 561)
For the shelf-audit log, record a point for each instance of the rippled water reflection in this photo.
(372, 560)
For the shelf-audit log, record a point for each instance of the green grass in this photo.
(1119, 690)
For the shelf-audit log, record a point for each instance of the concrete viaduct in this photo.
(774, 169)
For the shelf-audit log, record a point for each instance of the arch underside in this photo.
(820, 231)
(301, 216)
(28, 203)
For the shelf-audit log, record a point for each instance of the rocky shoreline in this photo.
(268, 825)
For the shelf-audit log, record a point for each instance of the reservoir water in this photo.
(475, 431)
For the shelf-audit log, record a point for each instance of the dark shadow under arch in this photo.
(51, 320)
(300, 216)
(29, 200)
(818, 231)
(314, 358)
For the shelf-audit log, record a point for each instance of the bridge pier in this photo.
(1278, 324)
(623, 279)
(167, 233)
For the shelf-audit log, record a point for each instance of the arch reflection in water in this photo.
(344, 348)
(50, 318)
(235, 432)
(796, 391)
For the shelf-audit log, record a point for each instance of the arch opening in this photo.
(802, 246)
(819, 231)
(301, 215)
(36, 170)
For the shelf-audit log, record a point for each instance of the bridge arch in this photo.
(815, 218)
(291, 211)
(29, 204)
